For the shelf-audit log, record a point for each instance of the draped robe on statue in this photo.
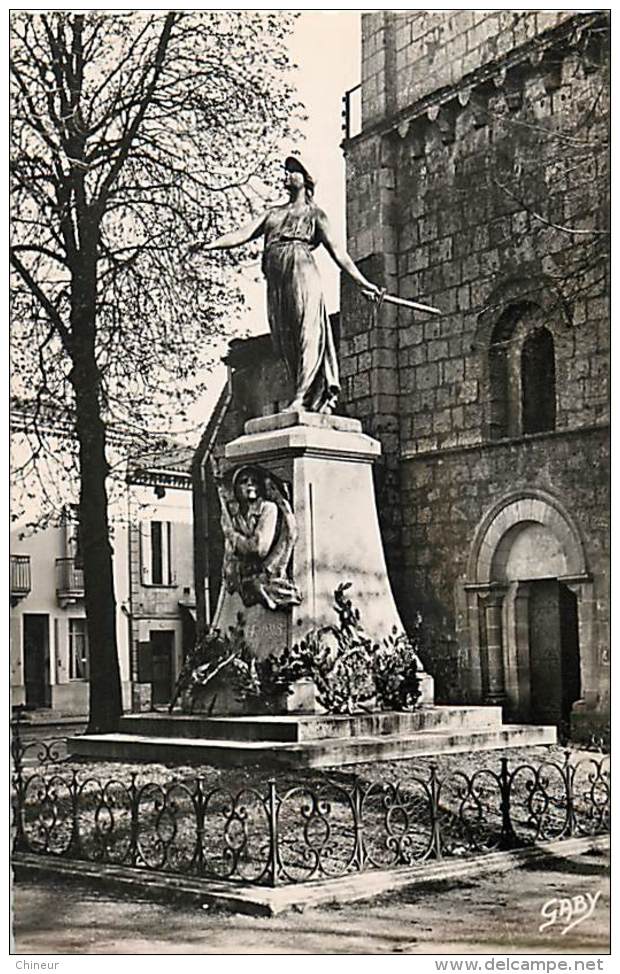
(298, 320)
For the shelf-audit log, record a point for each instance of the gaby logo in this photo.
(568, 910)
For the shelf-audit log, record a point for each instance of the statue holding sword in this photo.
(298, 319)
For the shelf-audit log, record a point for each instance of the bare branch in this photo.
(133, 128)
(38, 249)
(43, 300)
(549, 223)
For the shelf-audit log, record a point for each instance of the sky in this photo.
(326, 46)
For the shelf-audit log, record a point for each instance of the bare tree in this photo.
(132, 136)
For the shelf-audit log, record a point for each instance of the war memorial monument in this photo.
(300, 527)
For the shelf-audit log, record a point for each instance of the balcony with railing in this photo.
(69, 581)
(21, 582)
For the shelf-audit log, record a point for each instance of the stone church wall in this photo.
(407, 55)
(480, 170)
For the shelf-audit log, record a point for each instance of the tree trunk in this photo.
(105, 684)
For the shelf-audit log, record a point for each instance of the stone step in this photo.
(309, 754)
(311, 727)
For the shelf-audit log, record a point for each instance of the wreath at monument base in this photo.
(350, 672)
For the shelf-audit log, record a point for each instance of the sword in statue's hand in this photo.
(404, 302)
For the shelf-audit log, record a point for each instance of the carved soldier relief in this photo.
(259, 536)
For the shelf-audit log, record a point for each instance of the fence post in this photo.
(17, 753)
(272, 820)
(508, 837)
(359, 854)
(133, 824)
(568, 773)
(199, 805)
(434, 789)
(74, 842)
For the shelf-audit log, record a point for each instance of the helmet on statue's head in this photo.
(294, 164)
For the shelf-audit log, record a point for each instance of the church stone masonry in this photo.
(482, 146)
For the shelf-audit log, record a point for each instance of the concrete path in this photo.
(490, 914)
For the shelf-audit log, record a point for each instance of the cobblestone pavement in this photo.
(498, 913)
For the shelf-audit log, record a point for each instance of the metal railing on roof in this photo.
(352, 112)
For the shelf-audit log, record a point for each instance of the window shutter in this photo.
(172, 573)
(165, 552)
(146, 560)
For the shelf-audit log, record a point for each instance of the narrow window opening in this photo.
(157, 577)
(78, 649)
(503, 418)
(538, 382)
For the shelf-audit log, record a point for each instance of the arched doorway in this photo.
(528, 605)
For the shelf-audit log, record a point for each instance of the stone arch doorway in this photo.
(529, 609)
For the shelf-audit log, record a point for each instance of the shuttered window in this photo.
(157, 553)
(78, 649)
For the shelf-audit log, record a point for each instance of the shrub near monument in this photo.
(343, 667)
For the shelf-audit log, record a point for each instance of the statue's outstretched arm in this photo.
(341, 257)
(249, 231)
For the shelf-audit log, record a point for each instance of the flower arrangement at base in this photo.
(212, 655)
(351, 672)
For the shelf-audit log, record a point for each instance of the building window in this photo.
(78, 649)
(504, 403)
(521, 374)
(538, 382)
(157, 553)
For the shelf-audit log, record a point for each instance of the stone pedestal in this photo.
(327, 461)
(307, 740)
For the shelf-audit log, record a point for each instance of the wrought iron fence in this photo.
(277, 835)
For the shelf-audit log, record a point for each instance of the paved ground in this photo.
(493, 914)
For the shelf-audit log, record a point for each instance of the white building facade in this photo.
(151, 528)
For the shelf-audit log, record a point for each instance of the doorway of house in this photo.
(162, 648)
(554, 652)
(37, 660)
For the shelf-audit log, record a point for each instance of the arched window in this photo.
(538, 382)
(504, 403)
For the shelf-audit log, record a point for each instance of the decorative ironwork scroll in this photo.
(306, 830)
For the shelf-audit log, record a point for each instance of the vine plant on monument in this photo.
(349, 671)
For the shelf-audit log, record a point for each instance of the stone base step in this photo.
(309, 754)
(293, 728)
